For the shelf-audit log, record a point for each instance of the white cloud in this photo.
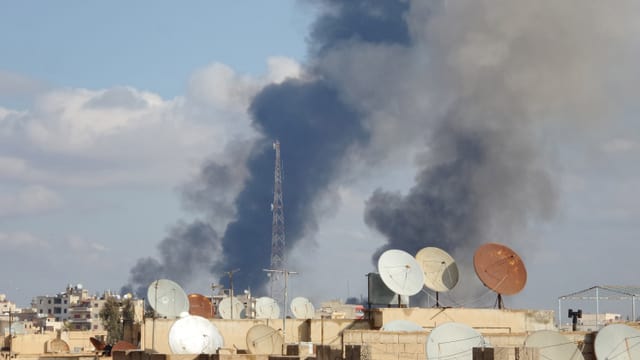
(29, 200)
(21, 240)
(121, 135)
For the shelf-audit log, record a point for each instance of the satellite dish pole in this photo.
(277, 230)
(285, 274)
(230, 274)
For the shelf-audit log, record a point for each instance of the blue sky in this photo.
(109, 109)
(147, 45)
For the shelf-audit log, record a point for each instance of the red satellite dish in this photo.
(200, 305)
(500, 269)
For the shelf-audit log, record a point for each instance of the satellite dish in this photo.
(302, 308)
(439, 269)
(617, 341)
(194, 335)
(267, 308)
(500, 269)
(264, 340)
(200, 305)
(231, 308)
(97, 343)
(123, 345)
(57, 346)
(167, 298)
(401, 325)
(553, 346)
(400, 272)
(453, 341)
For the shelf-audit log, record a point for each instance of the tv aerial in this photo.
(500, 269)
(617, 341)
(167, 298)
(267, 308)
(193, 334)
(400, 272)
(264, 340)
(200, 305)
(401, 325)
(302, 308)
(439, 269)
(453, 341)
(553, 346)
(230, 308)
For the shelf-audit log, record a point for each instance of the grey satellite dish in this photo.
(231, 308)
(453, 341)
(401, 325)
(193, 334)
(267, 308)
(302, 308)
(553, 346)
(617, 341)
(264, 340)
(439, 269)
(400, 272)
(167, 298)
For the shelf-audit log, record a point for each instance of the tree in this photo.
(111, 317)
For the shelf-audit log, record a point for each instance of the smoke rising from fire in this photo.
(479, 89)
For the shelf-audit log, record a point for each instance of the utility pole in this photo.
(230, 274)
(285, 274)
(277, 229)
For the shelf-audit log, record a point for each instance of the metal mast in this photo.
(277, 229)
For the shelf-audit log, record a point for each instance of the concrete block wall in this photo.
(377, 345)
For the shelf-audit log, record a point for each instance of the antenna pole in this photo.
(285, 274)
(230, 273)
(277, 228)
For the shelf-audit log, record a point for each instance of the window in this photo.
(49, 301)
(57, 301)
(65, 301)
(65, 311)
(57, 310)
(48, 311)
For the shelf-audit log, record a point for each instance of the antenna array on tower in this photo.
(277, 228)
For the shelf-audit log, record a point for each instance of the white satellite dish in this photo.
(167, 298)
(439, 269)
(400, 272)
(401, 325)
(302, 308)
(193, 334)
(553, 346)
(617, 341)
(264, 340)
(231, 308)
(267, 308)
(453, 341)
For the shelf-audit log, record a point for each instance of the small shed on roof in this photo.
(603, 292)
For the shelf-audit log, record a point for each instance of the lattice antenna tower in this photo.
(277, 229)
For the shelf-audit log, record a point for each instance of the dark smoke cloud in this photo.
(315, 129)
(185, 251)
(470, 85)
(360, 21)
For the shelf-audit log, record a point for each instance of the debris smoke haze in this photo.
(478, 88)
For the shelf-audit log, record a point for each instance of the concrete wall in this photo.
(33, 344)
(155, 333)
(483, 320)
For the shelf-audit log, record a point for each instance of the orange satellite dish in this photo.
(500, 269)
(200, 305)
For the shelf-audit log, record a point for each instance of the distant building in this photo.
(58, 305)
(7, 306)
